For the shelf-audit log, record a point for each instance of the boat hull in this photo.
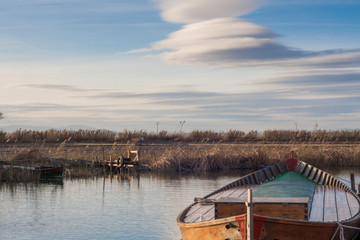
(333, 200)
(265, 228)
(49, 172)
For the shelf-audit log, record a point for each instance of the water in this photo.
(132, 207)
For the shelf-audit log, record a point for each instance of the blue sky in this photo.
(217, 65)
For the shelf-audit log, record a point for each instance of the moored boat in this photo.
(293, 200)
(49, 171)
(43, 171)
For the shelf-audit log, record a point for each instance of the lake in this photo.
(123, 207)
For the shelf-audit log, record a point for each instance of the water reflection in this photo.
(112, 207)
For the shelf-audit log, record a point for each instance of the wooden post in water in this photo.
(111, 172)
(352, 181)
(249, 217)
(103, 152)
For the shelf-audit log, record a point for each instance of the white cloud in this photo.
(213, 35)
(187, 11)
(234, 42)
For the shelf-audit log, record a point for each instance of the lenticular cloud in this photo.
(213, 36)
(225, 40)
(189, 11)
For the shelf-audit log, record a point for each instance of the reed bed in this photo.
(233, 136)
(80, 161)
(254, 156)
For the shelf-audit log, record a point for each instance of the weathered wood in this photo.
(257, 180)
(249, 215)
(275, 170)
(353, 204)
(253, 179)
(308, 170)
(317, 208)
(318, 177)
(329, 204)
(342, 205)
(197, 210)
(330, 210)
(197, 215)
(263, 175)
(327, 179)
(238, 193)
(292, 208)
(313, 173)
(281, 167)
(323, 178)
(302, 167)
(352, 182)
(269, 174)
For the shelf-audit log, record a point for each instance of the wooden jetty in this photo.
(125, 164)
(292, 200)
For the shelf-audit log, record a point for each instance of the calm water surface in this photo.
(128, 207)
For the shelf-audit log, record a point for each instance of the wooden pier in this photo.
(125, 164)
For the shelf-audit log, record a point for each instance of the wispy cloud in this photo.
(298, 97)
(51, 86)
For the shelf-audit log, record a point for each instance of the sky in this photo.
(180, 65)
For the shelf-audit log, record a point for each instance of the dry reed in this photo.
(105, 136)
(80, 160)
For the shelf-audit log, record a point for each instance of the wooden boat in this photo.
(45, 172)
(49, 171)
(292, 200)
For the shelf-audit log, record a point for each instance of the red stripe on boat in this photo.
(258, 225)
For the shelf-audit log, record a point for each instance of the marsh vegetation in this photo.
(198, 151)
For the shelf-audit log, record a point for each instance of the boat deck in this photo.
(322, 208)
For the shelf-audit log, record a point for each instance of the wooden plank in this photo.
(265, 200)
(192, 211)
(253, 179)
(205, 212)
(323, 178)
(317, 208)
(210, 214)
(313, 173)
(302, 167)
(283, 210)
(197, 207)
(198, 210)
(342, 205)
(281, 167)
(353, 204)
(307, 171)
(198, 215)
(318, 177)
(274, 170)
(293, 208)
(257, 180)
(238, 192)
(330, 210)
(269, 174)
(262, 175)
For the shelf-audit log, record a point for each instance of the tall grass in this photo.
(237, 136)
(82, 160)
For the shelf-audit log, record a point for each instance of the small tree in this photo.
(1, 115)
